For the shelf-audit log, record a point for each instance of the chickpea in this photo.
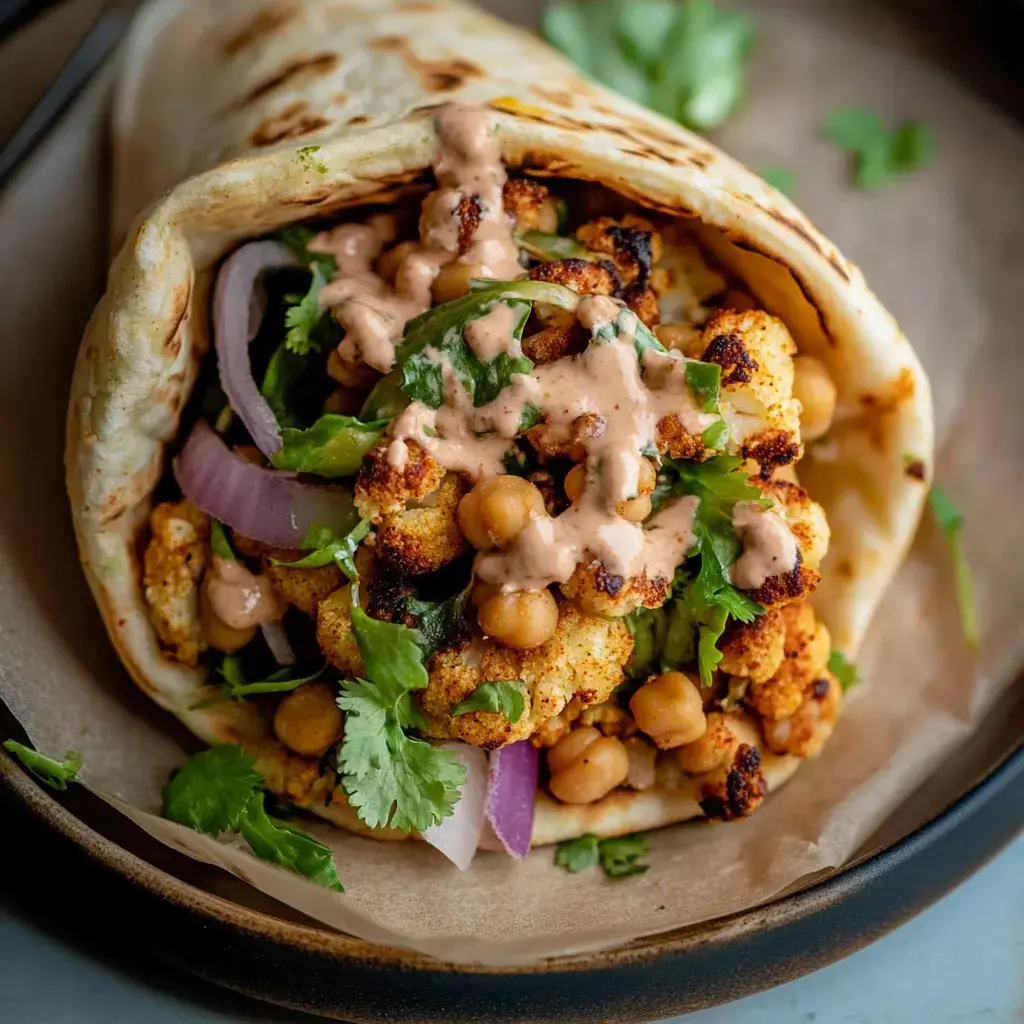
(389, 262)
(637, 509)
(593, 773)
(642, 757)
(308, 720)
(576, 482)
(497, 509)
(709, 751)
(547, 216)
(217, 633)
(570, 746)
(682, 338)
(452, 281)
(523, 620)
(669, 709)
(483, 592)
(817, 394)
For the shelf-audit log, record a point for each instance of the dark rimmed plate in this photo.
(110, 875)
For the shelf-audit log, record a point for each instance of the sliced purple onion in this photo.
(511, 793)
(458, 835)
(236, 321)
(277, 640)
(263, 504)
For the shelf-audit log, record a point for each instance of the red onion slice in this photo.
(262, 504)
(511, 793)
(458, 835)
(236, 321)
(277, 640)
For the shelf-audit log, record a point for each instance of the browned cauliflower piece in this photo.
(550, 443)
(381, 489)
(805, 518)
(173, 565)
(530, 205)
(675, 441)
(805, 654)
(644, 303)
(684, 280)
(424, 536)
(632, 243)
(754, 650)
(304, 588)
(582, 663)
(295, 778)
(552, 336)
(598, 592)
(334, 633)
(756, 353)
(583, 276)
(804, 733)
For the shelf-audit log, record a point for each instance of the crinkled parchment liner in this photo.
(943, 250)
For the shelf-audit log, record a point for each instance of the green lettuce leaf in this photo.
(328, 547)
(332, 447)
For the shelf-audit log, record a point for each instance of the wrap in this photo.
(216, 114)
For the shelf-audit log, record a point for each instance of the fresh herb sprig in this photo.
(951, 521)
(334, 446)
(218, 790)
(879, 155)
(48, 770)
(309, 325)
(618, 857)
(237, 687)
(327, 547)
(843, 669)
(504, 696)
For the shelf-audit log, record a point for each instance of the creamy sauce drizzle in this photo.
(468, 167)
(240, 598)
(769, 547)
(493, 334)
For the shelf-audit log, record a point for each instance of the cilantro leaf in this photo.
(297, 237)
(282, 373)
(618, 856)
(306, 156)
(391, 652)
(716, 436)
(878, 154)
(705, 381)
(502, 696)
(951, 521)
(218, 790)
(332, 447)
(577, 854)
(48, 770)
(329, 547)
(439, 623)
(237, 687)
(543, 246)
(843, 669)
(779, 178)
(386, 400)
(219, 543)
(685, 59)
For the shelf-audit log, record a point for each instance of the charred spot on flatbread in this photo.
(265, 24)
(293, 122)
(302, 67)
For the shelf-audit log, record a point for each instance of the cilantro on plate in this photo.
(618, 856)
(879, 155)
(505, 696)
(237, 687)
(48, 770)
(327, 547)
(332, 447)
(843, 669)
(951, 521)
(685, 59)
(218, 790)
(391, 777)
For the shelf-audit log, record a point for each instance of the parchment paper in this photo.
(945, 251)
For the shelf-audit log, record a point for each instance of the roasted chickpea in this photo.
(308, 720)
(452, 281)
(547, 216)
(389, 262)
(669, 709)
(637, 509)
(711, 750)
(482, 592)
(217, 633)
(497, 509)
(601, 766)
(681, 337)
(522, 620)
(570, 746)
(642, 758)
(576, 482)
(816, 392)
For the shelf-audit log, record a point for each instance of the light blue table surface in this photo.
(962, 960)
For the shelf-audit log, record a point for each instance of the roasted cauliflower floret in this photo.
(424, 536)
(754, 650)
(297, 779)
(644, 303)
(632, 244)
(530, 205)
(805, 518)
(755, 353)
(598, 592)
(304, 588)
(580, 275)
(173, 565)
(582, 663)
(383, 489)
(805, 654)
(804, 733)
(684, 281)
(334, 633)
(552, 336)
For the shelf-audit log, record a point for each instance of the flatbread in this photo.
(219, 104)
